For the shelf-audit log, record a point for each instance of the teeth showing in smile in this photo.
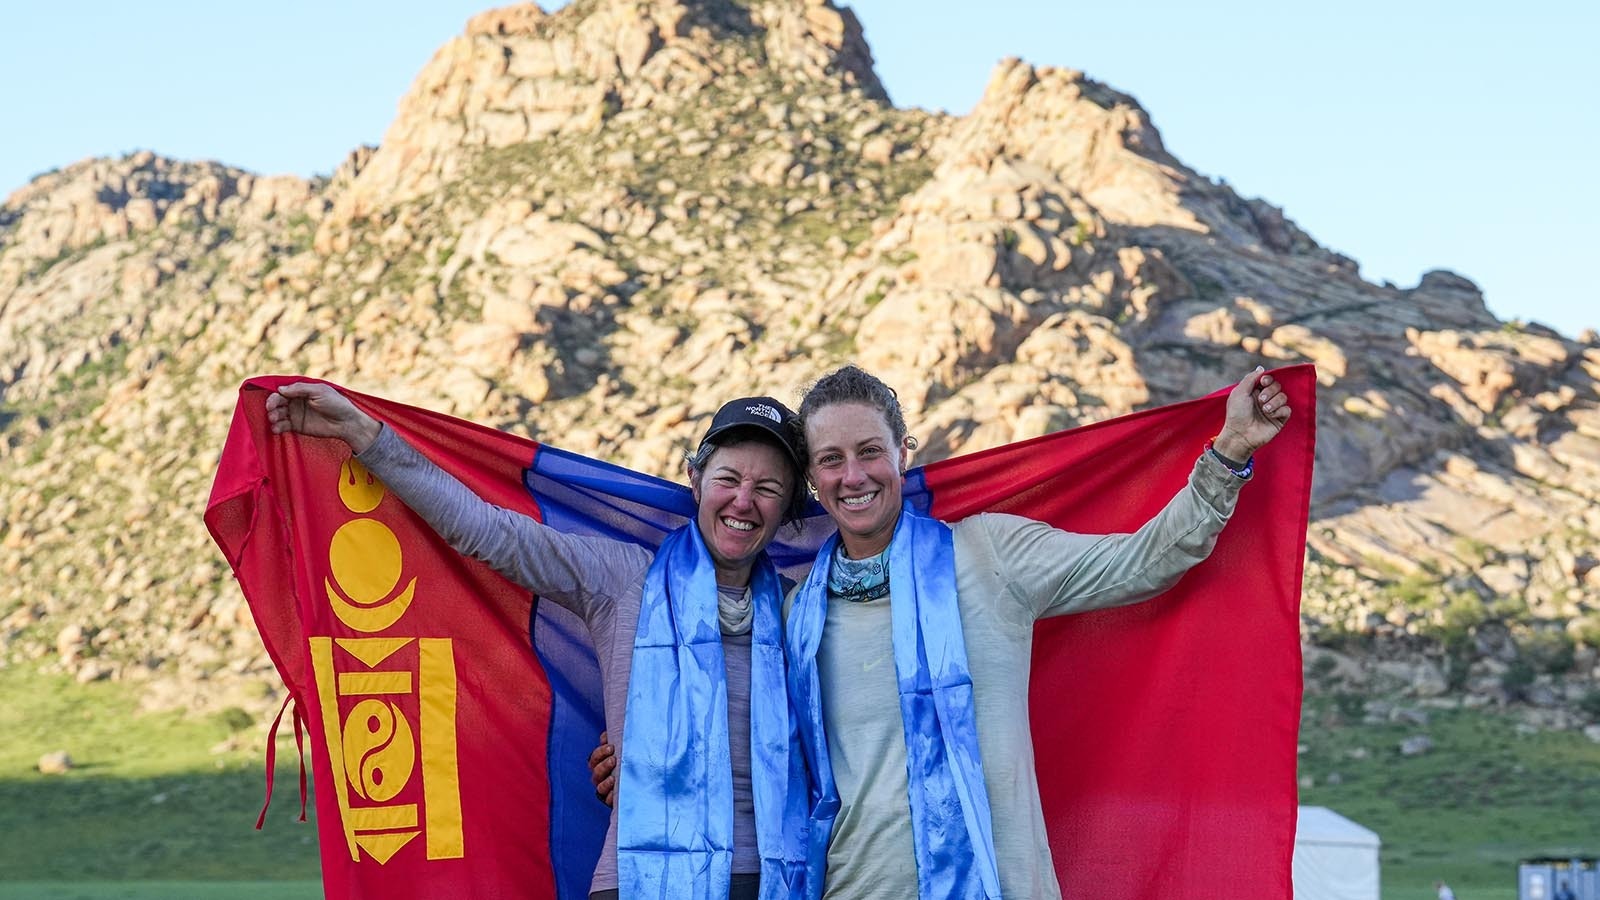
(736, 525)
(863, 500)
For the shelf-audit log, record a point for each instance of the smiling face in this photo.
(740, 496)
(856, 465)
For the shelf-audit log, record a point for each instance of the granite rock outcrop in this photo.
(590, 224)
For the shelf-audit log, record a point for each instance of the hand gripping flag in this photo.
(451, 713)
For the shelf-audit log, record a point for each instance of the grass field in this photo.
(160, 890)
(150, 812)
(1485, 797)
(146, 800)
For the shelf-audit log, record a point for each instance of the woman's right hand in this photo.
(602, 771)
(317, 410)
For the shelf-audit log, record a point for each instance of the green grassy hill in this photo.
(1488, 794)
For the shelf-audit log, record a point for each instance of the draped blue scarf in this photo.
(675, 793)
(950, 821)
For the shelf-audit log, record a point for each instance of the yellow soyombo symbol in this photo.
(372, 745)
(364, 558)
(359, 490)
(379, 751)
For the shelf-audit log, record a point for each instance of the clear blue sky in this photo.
(1409, 135)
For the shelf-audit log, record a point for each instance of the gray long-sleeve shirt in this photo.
(600, 580)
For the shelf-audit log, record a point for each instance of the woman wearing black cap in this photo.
(681, 635)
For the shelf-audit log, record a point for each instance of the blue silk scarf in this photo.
(950, 821)
(675, 793)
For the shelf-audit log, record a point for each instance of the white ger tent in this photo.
(1334, 858)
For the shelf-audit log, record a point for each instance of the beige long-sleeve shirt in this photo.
(1010, 572)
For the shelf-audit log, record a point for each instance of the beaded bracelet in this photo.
(1239, 471)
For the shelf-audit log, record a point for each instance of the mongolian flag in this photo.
(450, 713)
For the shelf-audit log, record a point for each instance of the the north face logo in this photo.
(761, 409)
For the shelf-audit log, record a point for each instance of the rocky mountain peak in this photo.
(1103, 146)
(97, 201)
(1098, 141)
(518, 75)
(522, 19)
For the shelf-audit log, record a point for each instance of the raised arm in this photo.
(1055, 572)
(581, 573)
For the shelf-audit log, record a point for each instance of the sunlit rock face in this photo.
(595, 224)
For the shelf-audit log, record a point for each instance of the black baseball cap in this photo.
(763, 413)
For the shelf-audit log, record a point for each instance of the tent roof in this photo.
(1320, 825)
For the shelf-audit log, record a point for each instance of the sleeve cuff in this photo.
(382, 447)
(1216, 482)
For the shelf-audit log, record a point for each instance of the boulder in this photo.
(57, 762)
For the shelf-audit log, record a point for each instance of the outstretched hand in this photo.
(1258, 408)
(317, 410)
